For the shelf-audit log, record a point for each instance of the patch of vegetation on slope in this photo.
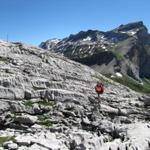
(4, 139)
(99, 50)
(118, 55)
(103, 78)
(134, 85)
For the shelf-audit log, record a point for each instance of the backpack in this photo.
(99, 88)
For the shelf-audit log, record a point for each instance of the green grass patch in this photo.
(118, 55)
(28, 103)
(99, 77)
(134, 85)
(5, 59)
(99, 50)
(44, 120)
(42, 103)
(13, 115)
(46, 123)
(35, 88)
(42, 117)
(5, 139)
(13, 139)
(18, 113)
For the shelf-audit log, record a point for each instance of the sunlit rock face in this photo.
(48, 102)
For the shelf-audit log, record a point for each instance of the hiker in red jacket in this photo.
(99, 88)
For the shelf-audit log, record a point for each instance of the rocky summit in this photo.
(124, 50)
(48, 102)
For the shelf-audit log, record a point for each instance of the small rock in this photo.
(5, 144)
(27, 95)
(86, 121)
(56, 129)
(57, 113)
(23, 141)
(36, 126)
(36, 109)
(65, 122)
(12, 146)
(26, 119)
(69, 113)
(146, 100)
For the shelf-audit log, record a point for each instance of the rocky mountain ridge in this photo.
(48, 102)
(124, 50)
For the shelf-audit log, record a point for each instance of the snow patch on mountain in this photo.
(87, 39)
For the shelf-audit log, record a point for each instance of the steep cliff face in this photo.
(124, 50)
(48, 102)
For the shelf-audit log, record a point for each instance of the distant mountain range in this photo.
(124, 51)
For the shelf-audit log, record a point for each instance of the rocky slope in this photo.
(49, 44)
(48, 102)
(124, 50)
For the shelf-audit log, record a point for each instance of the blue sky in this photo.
(34, 21)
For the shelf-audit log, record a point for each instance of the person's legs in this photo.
(99, 102)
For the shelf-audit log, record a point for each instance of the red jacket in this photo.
(99, 88)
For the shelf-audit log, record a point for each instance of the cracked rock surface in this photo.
(48, 102)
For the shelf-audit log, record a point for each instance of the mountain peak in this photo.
(49, 44)
(131, 26)
(94, 47)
